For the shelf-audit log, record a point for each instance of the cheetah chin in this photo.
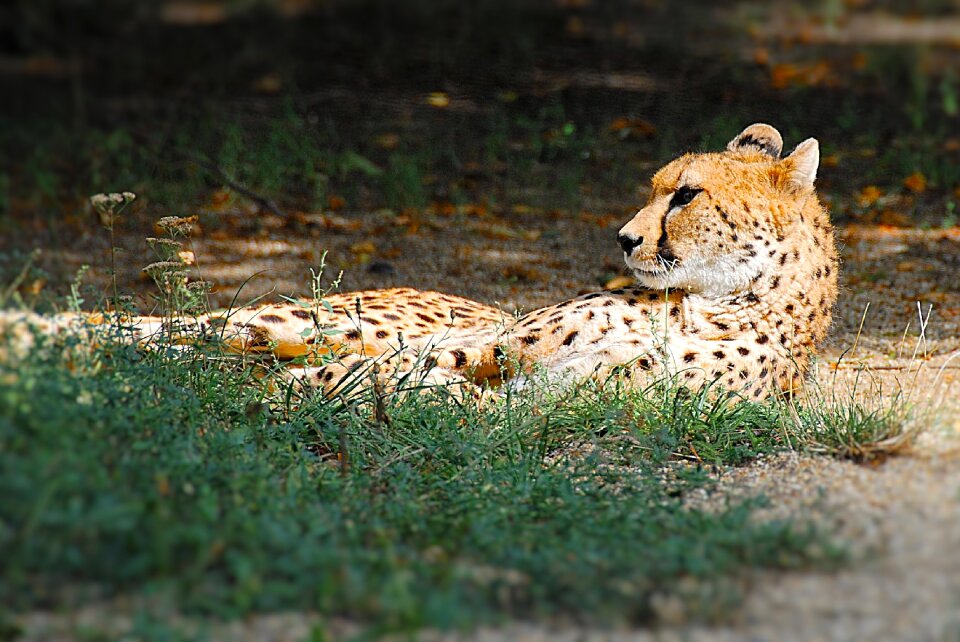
(708, 277)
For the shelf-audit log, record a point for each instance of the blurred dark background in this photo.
(380, 129)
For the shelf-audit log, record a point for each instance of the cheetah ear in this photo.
(801, 165)
(758, 137)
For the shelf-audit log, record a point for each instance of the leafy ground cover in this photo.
(164, 474)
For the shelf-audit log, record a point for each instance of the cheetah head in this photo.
(708, 216)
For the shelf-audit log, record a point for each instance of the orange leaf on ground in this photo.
(782, 74)
(438, 99)
(336, 203)
(916, 182)
(392, 253)
(893, 218)
(474, 209)
(521, 273)
(220, 197)
(600, 220)
(268, 84)
(364, 247)
(907, 266)
(442, 208)
(389, 140)
(636, 127)
(574, 26)
(869, 195)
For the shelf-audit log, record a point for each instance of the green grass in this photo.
(137, 473)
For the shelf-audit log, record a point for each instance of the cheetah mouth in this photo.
(658, 269)
(655, 271)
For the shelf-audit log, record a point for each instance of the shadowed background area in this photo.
(489, 148)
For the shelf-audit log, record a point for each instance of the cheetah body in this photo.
(736, 272)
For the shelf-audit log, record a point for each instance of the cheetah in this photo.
(737, 274)
(736, 271)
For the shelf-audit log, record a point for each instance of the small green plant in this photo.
(109, 208)
(950, 214)
(403, 182)
(178, 295)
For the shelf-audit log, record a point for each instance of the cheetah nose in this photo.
(628, 243)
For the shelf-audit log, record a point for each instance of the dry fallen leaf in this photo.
(522, 209)
(522, 273)
(268, 84)
(916, 183)
(392, 253)
(364, 247)
(438, 99)
(869, 195)
(390, 140)
(632, 127)
(893, 218)
(906, 266)
(830, 160)
(859, 61)
(474, 209)
(806, 75)
(504, 233)
(574, 26)
(442, 208)
(220, 198)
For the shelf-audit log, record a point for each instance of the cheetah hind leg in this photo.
(354, 374)
(485, 365)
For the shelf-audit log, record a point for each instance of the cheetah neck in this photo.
(788, 304)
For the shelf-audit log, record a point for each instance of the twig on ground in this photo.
(221, 174)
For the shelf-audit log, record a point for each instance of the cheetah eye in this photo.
(683, 196)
